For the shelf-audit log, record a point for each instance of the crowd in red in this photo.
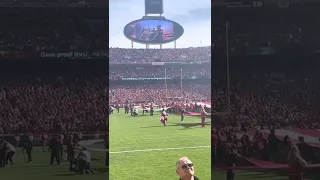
(51, 105)
(273, 89)
(193, 54)
(157, 93)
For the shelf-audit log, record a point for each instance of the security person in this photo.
(26, 145)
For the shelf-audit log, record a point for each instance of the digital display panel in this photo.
(153, 31)
(153, 7)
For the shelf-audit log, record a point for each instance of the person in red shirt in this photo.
(164, 117)
(142, 106)
(262, 148)
(151, 109)
(296, 164)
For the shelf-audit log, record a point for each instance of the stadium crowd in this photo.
(157, 93)
(270, 108)
(192, 54)
(276, 99)
(52, 105)
(269, 112)
(272, 98)
(249, 31)
(262, 103)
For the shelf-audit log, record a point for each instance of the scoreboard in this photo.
(244, 3)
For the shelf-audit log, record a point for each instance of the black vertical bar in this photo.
(107, 93)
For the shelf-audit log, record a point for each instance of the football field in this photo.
(141, 148)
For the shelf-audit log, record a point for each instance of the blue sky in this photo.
(193, 15)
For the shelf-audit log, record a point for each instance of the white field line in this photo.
(160, 149)
(159, 137)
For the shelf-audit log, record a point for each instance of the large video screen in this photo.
(153, 31)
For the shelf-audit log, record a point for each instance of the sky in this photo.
(193, 15)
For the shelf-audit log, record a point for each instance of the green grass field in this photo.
(40, 169)
(140, 147)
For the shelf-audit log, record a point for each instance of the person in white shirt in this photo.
(87, 155)
(85, 161)
(135, 112)
(11, 150)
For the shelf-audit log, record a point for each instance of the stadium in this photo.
(160, 101)
(265, 94)
(143, 139)
(53, 84)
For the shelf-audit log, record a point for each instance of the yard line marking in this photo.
(159, 137)
(160, 149)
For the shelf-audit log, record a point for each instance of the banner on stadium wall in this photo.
(74, 55)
